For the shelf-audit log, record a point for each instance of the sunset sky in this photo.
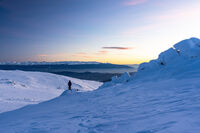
(114, 31)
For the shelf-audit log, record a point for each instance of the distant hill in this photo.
(93, 71)
(49, 63)
(58, 67)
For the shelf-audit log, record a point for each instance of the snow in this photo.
(166, 106)
(18, 88)
(117, 80)
(181, 58)
(162, 97)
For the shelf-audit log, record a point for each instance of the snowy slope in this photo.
(159, 98)
(18, 88)
(167, 106)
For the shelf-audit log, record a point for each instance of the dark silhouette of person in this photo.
(69, 85)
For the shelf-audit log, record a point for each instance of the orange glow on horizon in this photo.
(126, 61)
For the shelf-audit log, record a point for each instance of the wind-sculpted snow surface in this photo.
(182, 58)
(159, 98)
(18, 88)
(125, 77)
(166, 106)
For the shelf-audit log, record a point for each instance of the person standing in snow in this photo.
(69, 85)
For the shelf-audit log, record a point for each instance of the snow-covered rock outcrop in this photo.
(117, 80)
(123, 78)
(172, 62)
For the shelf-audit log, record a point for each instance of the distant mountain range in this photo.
(51, 66)
(50, 63)
(84, 70)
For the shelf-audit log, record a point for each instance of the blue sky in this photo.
(116, 31)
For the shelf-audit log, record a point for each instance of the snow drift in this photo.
(162, 97)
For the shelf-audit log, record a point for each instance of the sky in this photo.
(114, 31)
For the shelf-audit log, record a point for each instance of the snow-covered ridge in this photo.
(185, 50)
(182, 58)
(19, 88)
(178, 61)
(49, 63)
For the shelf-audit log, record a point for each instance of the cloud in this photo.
(118, 48)
(134, 2)
(43, 55)
(102, 52)
(82, 55)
